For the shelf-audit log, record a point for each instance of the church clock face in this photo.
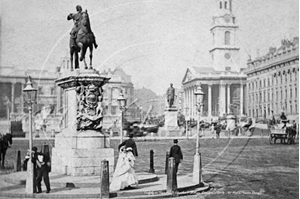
(227, 55)
(227, 18)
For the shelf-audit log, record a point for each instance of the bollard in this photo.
(171, 177)
(151, 170)
(104, 179)
(18, 161)
(167, 160)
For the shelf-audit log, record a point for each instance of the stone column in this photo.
(228, 98)
(222, 98)
(193, 102)
(209, 100)
(109, 96)
(13, 97)
(242, 99)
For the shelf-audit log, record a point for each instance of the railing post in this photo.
(104, 179)
(167, 160)
(171, 177)
(151, 170)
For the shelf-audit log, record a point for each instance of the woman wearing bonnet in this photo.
(124, 175)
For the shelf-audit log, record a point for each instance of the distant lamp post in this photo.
(122, 105)
(197, 171)
(30, 98)
(186, 121)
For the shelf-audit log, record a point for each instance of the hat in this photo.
(34, 148)
(175, 141)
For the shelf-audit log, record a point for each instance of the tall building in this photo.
(273, 82)
(223, 81)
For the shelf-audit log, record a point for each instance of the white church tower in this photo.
(225, 52)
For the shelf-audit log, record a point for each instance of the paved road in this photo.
(236, 168)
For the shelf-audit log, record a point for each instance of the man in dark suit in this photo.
(176, 153)
(130, 143)
(42, 165)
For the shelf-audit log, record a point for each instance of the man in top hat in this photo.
(176, 153)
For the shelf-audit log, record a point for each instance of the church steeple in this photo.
(224, 52)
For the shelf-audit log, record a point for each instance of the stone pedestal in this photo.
(81, 146)
(170, 129)
(79, 153)
(171, 117)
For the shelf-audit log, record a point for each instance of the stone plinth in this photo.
(171, 117)
(81, 146)
(80, 153)
(170, 128)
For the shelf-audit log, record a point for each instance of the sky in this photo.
(154, 41)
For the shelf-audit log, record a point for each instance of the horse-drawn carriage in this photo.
(286, 134)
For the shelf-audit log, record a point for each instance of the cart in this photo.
(285, 136)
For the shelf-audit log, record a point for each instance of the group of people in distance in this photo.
(124, 175)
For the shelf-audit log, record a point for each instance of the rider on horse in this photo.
(76, 18)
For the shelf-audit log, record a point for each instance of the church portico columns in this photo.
(12, 97)
(242, 99)
(209, 100)
(222, 99)
(228, 98)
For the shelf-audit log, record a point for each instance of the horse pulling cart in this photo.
(286, 135)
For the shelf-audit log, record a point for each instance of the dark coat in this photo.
(176, 153)
(129, 143)
(218, 128)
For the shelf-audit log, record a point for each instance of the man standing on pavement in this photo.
(42, 165)
(176, 153)
(129, 143)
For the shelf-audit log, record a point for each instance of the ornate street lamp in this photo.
(197, 172)
(30, 98)
(122, 105)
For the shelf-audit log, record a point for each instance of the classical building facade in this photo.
(13, 81)
(223, 81)
(273, 83)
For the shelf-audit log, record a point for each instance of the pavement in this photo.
(63, 186)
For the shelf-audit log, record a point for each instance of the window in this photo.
(225, 5)
(227, 38)
(220, 5)
(40, 90)
(227, 68)
(113, 110)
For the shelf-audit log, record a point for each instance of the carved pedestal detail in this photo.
(81, 146)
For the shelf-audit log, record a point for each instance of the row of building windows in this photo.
(268, 95)
(266, 110)
(279, 79)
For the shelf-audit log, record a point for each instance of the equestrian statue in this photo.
(81, 37)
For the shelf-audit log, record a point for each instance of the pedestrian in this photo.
(42, 168)
(124, 175)
(176, 153)
(217, 128)
(129, 143)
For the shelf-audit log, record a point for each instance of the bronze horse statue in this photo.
(84, 39)
(5, 142)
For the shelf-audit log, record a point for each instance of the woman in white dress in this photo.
(124, 175)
